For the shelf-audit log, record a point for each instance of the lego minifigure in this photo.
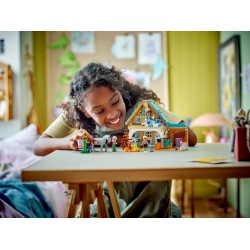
(145, 143)
(132, 146)
(114, 138)
(148, 117)
(151, 147)
(134, 143)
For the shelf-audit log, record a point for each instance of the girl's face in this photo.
(105, 107)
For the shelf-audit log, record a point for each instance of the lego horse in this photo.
(102, 142)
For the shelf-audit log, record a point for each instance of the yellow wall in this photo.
(192, 58)
(40, 96)
(193, 84)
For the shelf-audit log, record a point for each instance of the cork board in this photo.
(103, 44)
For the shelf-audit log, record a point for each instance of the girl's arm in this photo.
(47, 144)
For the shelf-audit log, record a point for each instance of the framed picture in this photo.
(229, 77)
(1, 46)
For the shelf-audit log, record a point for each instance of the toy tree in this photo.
(124, 141)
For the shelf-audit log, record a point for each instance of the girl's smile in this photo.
(105, 107)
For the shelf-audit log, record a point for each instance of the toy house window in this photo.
(149, 135)
(157, 137)
(137, 120)
(137, 135)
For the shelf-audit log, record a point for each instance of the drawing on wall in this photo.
(124, 47)
(142, 78)
(1, 46)
(60, 43)
(246, 79)
(65, 78)
(83, 42)
(158, 67)
(229, 77)
(66, 60)
(149, 47)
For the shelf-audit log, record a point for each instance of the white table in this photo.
(82, 169)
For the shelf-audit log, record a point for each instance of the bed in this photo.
(31, 199)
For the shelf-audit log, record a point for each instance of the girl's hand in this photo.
(73, 144)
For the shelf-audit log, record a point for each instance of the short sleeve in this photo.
(59, 128)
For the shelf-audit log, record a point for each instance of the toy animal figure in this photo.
(102, 142)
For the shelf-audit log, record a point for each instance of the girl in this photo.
(100, 101)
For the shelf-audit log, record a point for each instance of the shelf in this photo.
(6, 92)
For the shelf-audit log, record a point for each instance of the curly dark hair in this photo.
(96, 75)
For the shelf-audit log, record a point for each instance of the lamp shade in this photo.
(210, 120)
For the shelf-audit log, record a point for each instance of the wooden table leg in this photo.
(225, 195)
(238, 198)
(183, 196)
(71, 207)
(101, 202)
(76, 187)
(77, 200)
(85, 197)
(113, 199)
(192, 197)
(86, 194)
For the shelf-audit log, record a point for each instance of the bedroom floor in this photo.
(204, 208)
(209, 208)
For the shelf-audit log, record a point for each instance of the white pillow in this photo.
(18, 148)
(26, 136)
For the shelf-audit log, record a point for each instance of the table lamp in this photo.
(210, 120)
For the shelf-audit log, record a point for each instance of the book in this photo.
(211, 160)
